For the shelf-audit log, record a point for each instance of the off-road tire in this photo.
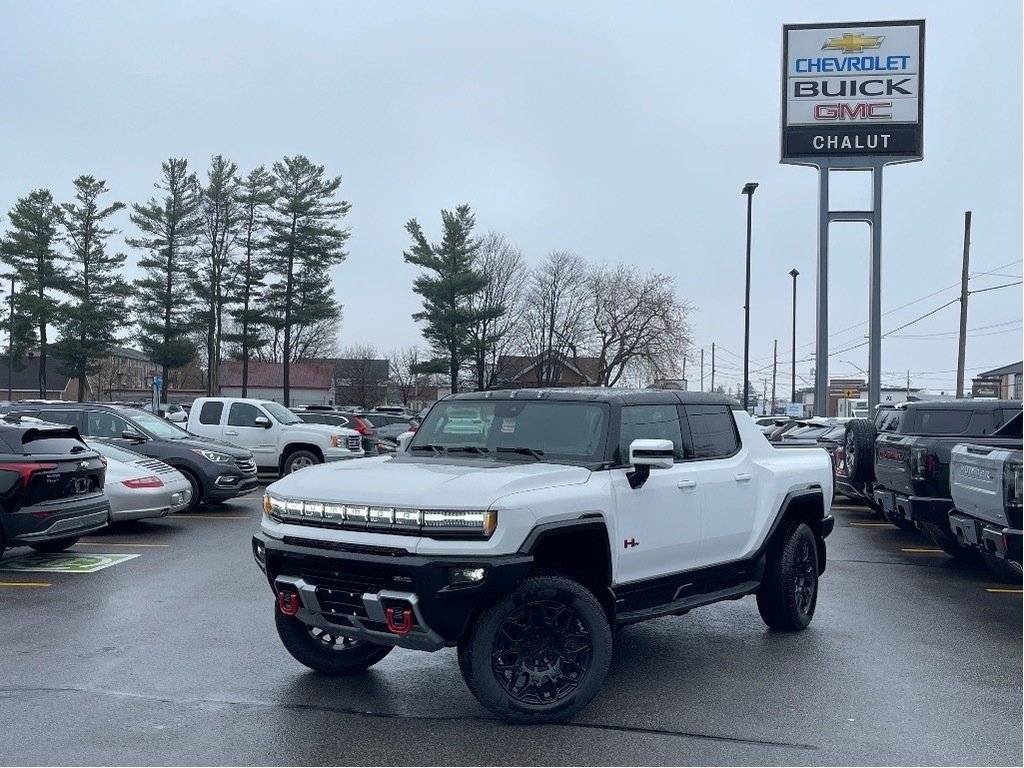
(789, 593)
(545, 617)
(945, 541)
(299, 459)
(340, 657)
(1002, 569)
(859, 450)
(57, 545)
(900, 522)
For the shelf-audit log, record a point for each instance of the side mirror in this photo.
(645, 455)
(262, 421)
(403, 441)
(129, 434)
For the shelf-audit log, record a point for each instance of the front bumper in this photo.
(918, 509)
(348, 589)
(983, 536)
(341, 454)
(230, 485)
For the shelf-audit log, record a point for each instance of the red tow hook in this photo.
(399, 620)
(288, 603)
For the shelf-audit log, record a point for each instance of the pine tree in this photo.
(220, 213)
(28, 248)
(249, 314)
(303, 236)
(99, 295)
(448, 313)
(170, 228)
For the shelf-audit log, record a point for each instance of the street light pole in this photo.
(10, 343)
(748, 190)
(792, 384)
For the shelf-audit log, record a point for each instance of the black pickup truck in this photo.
(912, 463)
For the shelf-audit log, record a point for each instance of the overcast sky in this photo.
(622, 131)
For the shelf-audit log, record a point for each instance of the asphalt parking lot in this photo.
(171, 658)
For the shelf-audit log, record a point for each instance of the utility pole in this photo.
(712, 366)
(963, 308)
(684, 366)
(908, 385)
(775, 365)
(702, 369)
(764, 392)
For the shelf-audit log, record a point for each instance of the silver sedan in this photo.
(139, 486)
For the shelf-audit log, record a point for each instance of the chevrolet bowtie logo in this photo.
(852, 42)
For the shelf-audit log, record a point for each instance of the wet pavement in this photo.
(171, 658)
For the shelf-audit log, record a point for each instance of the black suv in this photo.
(218, 471)
(51, 487)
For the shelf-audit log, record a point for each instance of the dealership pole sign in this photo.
(852, 100)
(853, 90)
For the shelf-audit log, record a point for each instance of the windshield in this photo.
(556, 431)
(157, 427)
(282, 414)
(113, 452)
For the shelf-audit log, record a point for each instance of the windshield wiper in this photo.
(438, 449)
(523, 451)
(467, 449)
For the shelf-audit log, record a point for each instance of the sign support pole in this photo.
(821, 305)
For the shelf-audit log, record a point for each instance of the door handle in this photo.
(685, 484)
(230, 431)
(743, 477)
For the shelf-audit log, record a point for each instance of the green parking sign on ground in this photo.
(63, 562)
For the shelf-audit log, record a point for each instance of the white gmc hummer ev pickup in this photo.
(524, 526)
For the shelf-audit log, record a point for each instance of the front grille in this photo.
(340, 589)
(353, 442)
(340, 546)
(247, 466)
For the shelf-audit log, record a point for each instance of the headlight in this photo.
(214, 456)
(444, 523)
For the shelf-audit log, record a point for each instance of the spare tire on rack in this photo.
(859, 450)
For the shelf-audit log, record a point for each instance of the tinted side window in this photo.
(104, 424)
(942, 422)
(244, 415)
(890, 422)
(211, 412)
(648, 422)
(712, 432)
(313, 418)
(74, 418)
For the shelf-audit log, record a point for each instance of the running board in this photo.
(684, 604)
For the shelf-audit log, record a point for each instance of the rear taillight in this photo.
(1013, 490)
(362, 429)
(412, 427)
(152, 481)
(920, 462)
(27, 469)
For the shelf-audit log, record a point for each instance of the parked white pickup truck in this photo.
(524, 526)
(279, 440)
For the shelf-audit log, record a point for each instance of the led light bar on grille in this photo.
(473, 523)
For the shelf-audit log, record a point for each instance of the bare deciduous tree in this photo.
(555, 320)
(360, 378)
(494, 334)
(639, 324)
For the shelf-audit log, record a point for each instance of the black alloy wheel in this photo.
(541, 653)
(789, 593)
(324, 652)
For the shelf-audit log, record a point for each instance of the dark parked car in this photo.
(217, 471)
(51, 486)
(350, 420)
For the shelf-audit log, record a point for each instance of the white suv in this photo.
(527, 541)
